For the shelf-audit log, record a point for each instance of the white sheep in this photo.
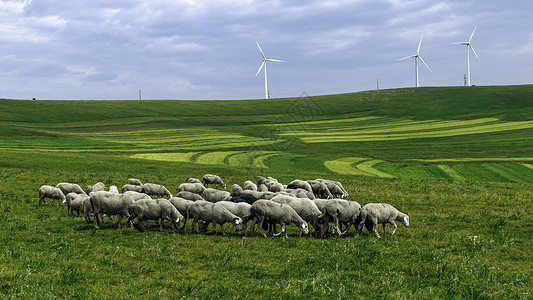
(213, 179)
(306, 209)
(66, 188)
(113, 189)
(132, 187)
(236, 189)
(182, 205)
(248, 185)
(373, 214)
(103, 202)
(295, 184)
(193, 180)
(320, 189)
(156, 190)
(275, 213)
(196, 188)
(158, 209)
(335, 187)
(134, 181)
(99, 186)
(189, 196)
(136, 196)
(47, 191)
(214, 214)
(214, 195)
(74, 202)
(343, 211)
(240, 209)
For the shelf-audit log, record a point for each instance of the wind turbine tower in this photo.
(468, 47)
(417, 57)
(264, 65)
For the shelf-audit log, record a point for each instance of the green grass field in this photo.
(458, 160)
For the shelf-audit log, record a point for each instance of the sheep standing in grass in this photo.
(300, 193)
(74, 202)
(236, 189)
(262, 188)
(189, 196)
(213, 179)
(213, 213)
(66, 188)
(335, 187)
(193, 180)
(248, 185)
(156, 190)
(47, 191)
(241, 210)
(134, 181)
(275, 213)
(300, 184)
(345, 212)
(110, 204)
(158, 209)
(136, 196)
(132, 187)
(373, 214)
(214, 195)
(182, 205)
(320, 189)
(196, 188)
(306, 209)
(99, 186)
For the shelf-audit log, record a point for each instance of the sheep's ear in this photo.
(237, 222)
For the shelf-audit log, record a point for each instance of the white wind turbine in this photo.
(416, 57)
(468, 47)
(264, 65)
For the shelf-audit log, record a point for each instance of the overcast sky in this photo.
(186, 49)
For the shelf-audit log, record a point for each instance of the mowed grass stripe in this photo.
(429, 134)
(451, 172)
(214, 158)
(513, 172)
(260, 160)
(368, 167)
(177, 157)
(284, 162)
(344, 166)
(406, 127)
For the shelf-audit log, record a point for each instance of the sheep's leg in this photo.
(161, 220)
(96, 221)
(260, 225)
(119, 223)
(195, 225)
(347, 228)
(41, 199)
(252, 225)
(375, 230)
(141, 224)
(222, 227)
(214, 228)
(282, 230)
(394, 226)
(360, 227)
(384, 228)
(337, 226)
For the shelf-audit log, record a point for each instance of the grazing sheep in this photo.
(113, 189)
(320, 189)
(182, 205)
(300, 184)
(110, 204)
(158, 209)
(66, 188)
(300, 193)
(213, 213)
(99, 186)
(213, 179)
(47, 191)
(132, 187)
(275, 213)
(243, 197)
(236, 189)
(134, 181)
(335, 187)
(74, 202)
(87, 209)
(345, 212)
(189, 196)
(260, 180)
(306, 209)
(196, 188)
(193, 180)
(373, 214)
(248, 185)
(136, 196)
(261, 195)
(275, 187)
(241, 210)
(214, 195)
(156, 190)
(262, 188)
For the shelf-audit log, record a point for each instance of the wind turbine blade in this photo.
(261, 67)
(419, 44)
(425, 63)
(473, 51)
(472, 35)
(262, 54)
(276, 60)
(461, 43)
(411, 56)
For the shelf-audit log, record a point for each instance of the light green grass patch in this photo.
(214, 158)
(451, 172)
(175, 157)
(368, 167)
(260, 160)
(344, 166)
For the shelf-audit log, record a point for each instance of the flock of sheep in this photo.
(267, 203)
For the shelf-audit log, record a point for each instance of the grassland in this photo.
(457, 160)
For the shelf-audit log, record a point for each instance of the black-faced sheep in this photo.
(213, 179)
(275, 213)
(47, 191)
(373, 214)
(214, 214)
